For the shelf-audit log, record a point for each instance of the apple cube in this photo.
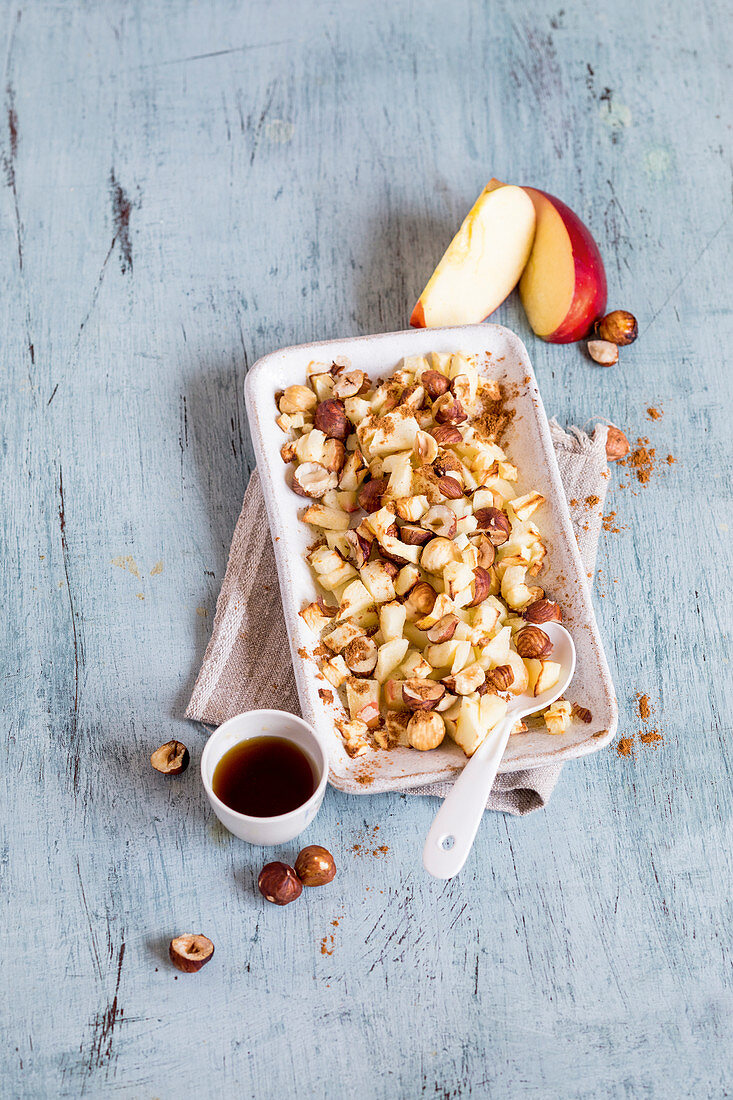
(389, 656)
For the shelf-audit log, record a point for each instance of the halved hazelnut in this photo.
(481, 586)
(361, 655)
(448, 410)
(543, 611)
(171, 759)
(441, 520)
(370, 495)
(603, 352)
(287, 451)
(414, 535)
(334, 455)
(446, 434)
(359, 547)
(495, 523)
(434, 383)
(450, 488)
(315, 866)
(331, 419)
(425, 447)
(422, 694)
(532, 643)
(486, 552)
(617, 445)
(279, 883)
(619, 326)
(349, 384)
(444, 629)
(313, 480)
(425, 730)
(190, 952)
(437, 553)
(422, 598)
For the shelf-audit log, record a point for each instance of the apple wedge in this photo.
(483, 262)
(563, 287)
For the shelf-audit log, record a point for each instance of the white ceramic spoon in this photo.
(456, 823)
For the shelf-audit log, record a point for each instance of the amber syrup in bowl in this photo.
(264, 777)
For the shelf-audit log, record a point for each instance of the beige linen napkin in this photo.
(247, 662)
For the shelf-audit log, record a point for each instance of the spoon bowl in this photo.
(455, 826)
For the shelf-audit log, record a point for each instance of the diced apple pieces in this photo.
(342, 635)
(390, 655)
(392, 617)
(327, 518)
(335, 671)
(378, 581)
(360, 693)
(557, 716)
(356, 597)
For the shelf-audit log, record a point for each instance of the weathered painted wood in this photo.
(188, 186)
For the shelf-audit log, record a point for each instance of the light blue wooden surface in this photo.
(186, 187)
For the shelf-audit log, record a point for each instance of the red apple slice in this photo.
(563, 287)
(483, 262)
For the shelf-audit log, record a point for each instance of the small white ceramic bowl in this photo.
(265, 723)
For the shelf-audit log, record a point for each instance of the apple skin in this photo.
(589, 296)
(417, 320)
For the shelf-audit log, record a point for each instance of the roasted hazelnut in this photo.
(425, 730)
(495, 523)
(441, 520)
(370, 495)
(334, 455)
(279, 883)
(359, 547)
(190, 952)
(619, 327)
(531, 642)
(310, 479)
(543, 611)
(450, 488)
(617, 445)
(171, 758)
(486, 552)
(448, 410)
(349, 384)
(444, 629)
(446, 434)
(315, 866)
(331, 419)
(422, 598)
(582, 713)
(481, 586)
(421, 694)
(414, 535)
(434, 383)
(603, 352)
(361, 656)
(500, 678)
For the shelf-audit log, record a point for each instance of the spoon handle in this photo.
(457, 820)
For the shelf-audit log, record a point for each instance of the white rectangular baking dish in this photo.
(503, 356)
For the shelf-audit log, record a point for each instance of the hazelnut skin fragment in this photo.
(370, 495)
(171, 759)
(500, 678)
(617, 445)
(279, 883)
(531, 642)
(619, 326)
(315, 866)
(450, 488)
(190, 952)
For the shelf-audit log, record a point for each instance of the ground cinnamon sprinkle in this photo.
(625, 747)
(325, 695)
(654, 414)
(644, 707)
(642, 461)
(591, 501)
(573, 503)
(324, 945)
(609, 524)
(650, 737)
(671, 460)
